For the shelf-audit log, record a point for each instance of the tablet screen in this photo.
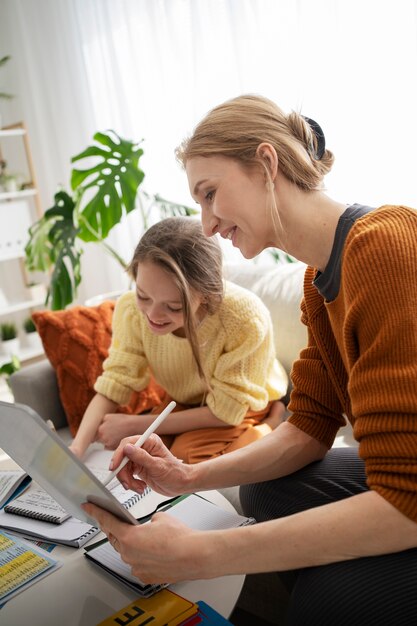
(26, 438)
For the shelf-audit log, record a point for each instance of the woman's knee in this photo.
(376, 591)
(339, 475)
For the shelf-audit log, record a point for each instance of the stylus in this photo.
(160, 418)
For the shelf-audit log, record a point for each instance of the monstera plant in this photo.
(101, 195)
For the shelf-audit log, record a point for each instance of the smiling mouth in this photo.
(158, 324)
(231, 233)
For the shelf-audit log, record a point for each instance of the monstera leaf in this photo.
(109, 187)
(52, 244)
(102, 194)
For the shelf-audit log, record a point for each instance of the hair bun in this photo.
(319, 134)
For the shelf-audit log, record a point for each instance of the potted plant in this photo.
(36, 292)
(9, 338)
(8, 181)
(101, 195)
(3, 94)
(31, 335)
(7, 369)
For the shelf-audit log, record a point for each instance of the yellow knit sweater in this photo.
(237, 352)
(361, 358)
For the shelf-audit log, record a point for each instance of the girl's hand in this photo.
(114, 427)
(162, 551)
(76, 450)
(155, 465)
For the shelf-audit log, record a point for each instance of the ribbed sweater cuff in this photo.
(227, 409)
(112, 390)
(316, 428)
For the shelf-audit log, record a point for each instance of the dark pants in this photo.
(370, 591)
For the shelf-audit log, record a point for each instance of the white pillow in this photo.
(280, 287)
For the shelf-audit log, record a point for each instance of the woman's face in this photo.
(159, 299)
(234, 202)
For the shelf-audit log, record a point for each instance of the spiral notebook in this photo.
(39, 516)
(37, 504)
(193, 510)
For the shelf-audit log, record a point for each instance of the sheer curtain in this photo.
(151, 68)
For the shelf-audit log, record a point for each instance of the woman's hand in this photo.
(161, 551)
(155, 465)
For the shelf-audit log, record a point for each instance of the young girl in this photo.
(207, 343)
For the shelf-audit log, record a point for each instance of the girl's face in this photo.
(159, 299)
(234, 202)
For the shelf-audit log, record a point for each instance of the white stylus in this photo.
(159, 419)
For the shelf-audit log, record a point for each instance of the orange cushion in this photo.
(76, 342)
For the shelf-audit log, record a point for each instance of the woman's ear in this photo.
(269, 158)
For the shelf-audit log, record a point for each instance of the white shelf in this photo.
(9, 256)
(12, 195)
(12, 132)
(21, 306)
(24, 354)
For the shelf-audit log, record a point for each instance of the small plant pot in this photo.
(10, 347)
(33, 341)
(11, 185)
(36, 292)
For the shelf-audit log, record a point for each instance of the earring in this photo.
(269, 185)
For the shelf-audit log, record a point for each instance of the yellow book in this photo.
(165, 608)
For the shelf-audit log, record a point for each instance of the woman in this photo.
(208, 344)
(344, 520)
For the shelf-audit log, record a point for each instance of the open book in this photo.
(12, 482)
(194, 511)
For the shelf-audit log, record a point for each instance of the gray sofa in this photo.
(280, 288)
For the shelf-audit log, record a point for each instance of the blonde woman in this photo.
(343, 520)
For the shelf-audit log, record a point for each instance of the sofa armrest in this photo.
(36, 386)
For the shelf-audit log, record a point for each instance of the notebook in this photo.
(72, 532)
(38, 504)
(40, 520)
(194, 511)
(41, 517)
(12, 482)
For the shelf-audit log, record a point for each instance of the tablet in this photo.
(27, 439)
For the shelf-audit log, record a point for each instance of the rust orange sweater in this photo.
(361, 358)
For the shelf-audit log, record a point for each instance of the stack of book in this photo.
(166, 608)
(35, 515)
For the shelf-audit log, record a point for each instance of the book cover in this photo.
(210, 616)
(165, 608)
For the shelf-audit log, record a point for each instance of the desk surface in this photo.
(82, 594)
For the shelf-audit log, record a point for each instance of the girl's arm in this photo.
(96, 410)
(115, 426)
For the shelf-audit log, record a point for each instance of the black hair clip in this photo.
(321, 141)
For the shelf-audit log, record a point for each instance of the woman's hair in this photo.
(237, 127)
(178, 246)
